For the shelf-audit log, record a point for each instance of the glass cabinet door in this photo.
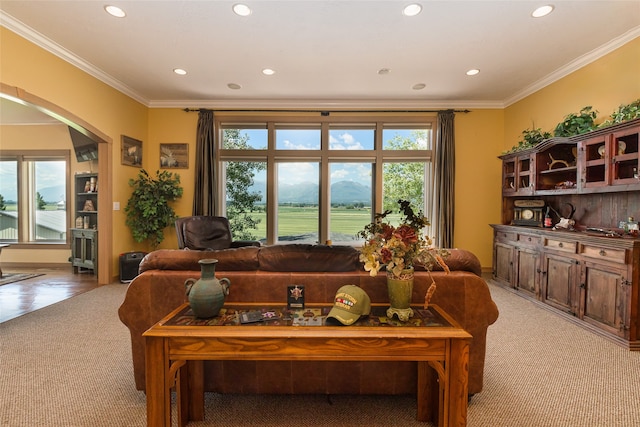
(596, 158)
(624, 147)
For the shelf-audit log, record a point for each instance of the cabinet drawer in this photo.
(560, 245)
(528, 239)
(604, 254)
(506, 237)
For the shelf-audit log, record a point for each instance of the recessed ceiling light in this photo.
(234, 86)
(412, 9)
(179, 71)
(268, 72)
(115, 11)
(419, 86)
(473, 72)
(383, 71)
(241, 9)
(542, 11)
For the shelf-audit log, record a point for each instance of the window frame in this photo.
(24, 187)
(377, 156)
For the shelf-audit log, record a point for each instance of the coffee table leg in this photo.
(458, 382)
(157, 373)
(182, 392)
(196, 390)
(427, 393)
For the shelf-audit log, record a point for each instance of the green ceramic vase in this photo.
(400, 290)
(207, 294)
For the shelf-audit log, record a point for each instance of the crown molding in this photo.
(50, 46)
(315, 104)
(575, 65)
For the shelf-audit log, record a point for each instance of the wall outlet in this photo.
(116, 206)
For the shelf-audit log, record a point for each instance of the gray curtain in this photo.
(204, 197)
(445, 160)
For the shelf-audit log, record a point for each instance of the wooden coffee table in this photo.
(177, 346)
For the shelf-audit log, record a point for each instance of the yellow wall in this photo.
(28, 67)
(478, 176)
(480, 135)
(605, 84)
(167, 126)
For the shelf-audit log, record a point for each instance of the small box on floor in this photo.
(129, 263)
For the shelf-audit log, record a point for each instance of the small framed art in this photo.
(174, 156)
(131, 151)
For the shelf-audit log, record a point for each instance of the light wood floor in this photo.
(55, 285)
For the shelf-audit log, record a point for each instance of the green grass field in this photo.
(12, 207)
(294, 221)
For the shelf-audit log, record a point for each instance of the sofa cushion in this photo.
(302, 257)
(459, 260)
(236, 259)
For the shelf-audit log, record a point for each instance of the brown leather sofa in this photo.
(262, 274)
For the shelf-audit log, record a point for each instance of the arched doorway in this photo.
(104, 143)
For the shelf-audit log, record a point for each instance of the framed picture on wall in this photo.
(174, 156)
(131, 151)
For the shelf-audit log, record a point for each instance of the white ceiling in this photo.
(326, 53)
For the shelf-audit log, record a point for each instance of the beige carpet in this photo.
(69, 365)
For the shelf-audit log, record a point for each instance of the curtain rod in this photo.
(325, 112)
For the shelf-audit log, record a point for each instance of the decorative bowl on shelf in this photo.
(621, 147)
(601, 151)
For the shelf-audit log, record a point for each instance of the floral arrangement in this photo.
(399, 248)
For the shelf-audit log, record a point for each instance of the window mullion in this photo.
(325, 188)
(272, 179)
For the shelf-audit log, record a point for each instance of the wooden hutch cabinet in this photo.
(84, 236)
(591, 272)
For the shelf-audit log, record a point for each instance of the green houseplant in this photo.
(148, 210)
(530, 138)
(576, 124)
(623, 113)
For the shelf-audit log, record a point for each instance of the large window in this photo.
(33, 197)
(304, 179)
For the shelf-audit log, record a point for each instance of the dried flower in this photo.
(401, 247)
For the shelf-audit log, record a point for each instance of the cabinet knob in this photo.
(582, 286)
(560, 244)
(602, 252)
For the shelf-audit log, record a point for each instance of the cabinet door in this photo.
(559, 282)
(625, 156)
(84, 248)
(604, 296)
(503, 263)
(526, 269)
(595, 159)
(524, 175)
(517, 175)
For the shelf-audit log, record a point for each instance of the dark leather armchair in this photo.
(207, 233)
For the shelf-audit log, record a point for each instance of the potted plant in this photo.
(530, 138)
(623, 113)
(148, 210)
(576, 124)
